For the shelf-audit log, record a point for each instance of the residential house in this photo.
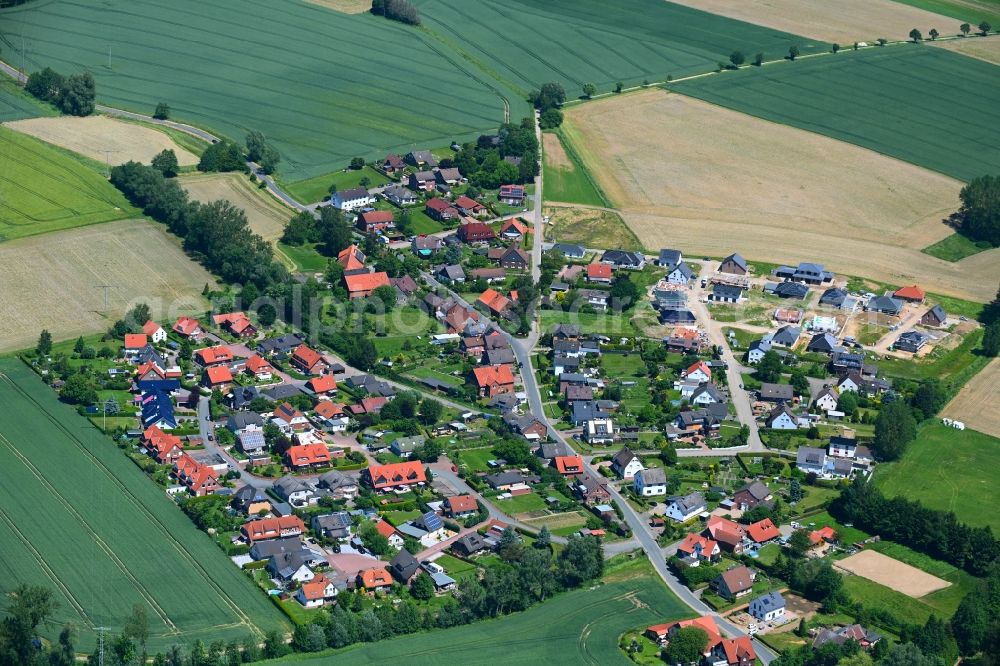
(823, 343)
(706, 394)
(782, 418)
(289, 419)
(395, 475)
(389, 532)
(911, 341)
(405, 446)
(885, 304)
(807, 272)
(568, 465)
(404, 567)
(272, 528)
(449, 176)
(304, 456)
(280, 346)
(595, 298)
(778, 393)
(911, 294)
(369, 405)
(661, 633)
(934, 317)
(252, 443)
(392, 164)
(237, 323)
(461, 506)
(737, 651)
(680, 274)
(308, 361)
(768, 607)
(400, 196)
(297, 492)
(513, 229)
(375, 221)
(599, 273)
(625, 464)
(322, 385)
(514, 258)
(833, 297)
(698, 372)
(650, 482)
(361, 285)
(494, 302)
(786, 336)
(683, 509)
(475, 232)
(217, 377)
(624, 259)
(154, 332)
(213, 356)
(450, 274)
(440, 209)
(503, 481)
(490, 275)
(374, 580)
(258, 367)
(527, 425)
(827, 399)
(591, 490)
(425, 246)
(493, 380)
(251, 501)
(469, 545)
(157, 409)
(734, 264)
(512, 195)
(570, 251)
(730, 535)
(352, 259)
(421, 158)
(470, 207)
(866, 638)
(810, 459)
(599, 431)
(162, 447)
(292, 567)
(245, 422)
(726, 293)
(316, 592)
(669, 259)
(186, 327)
(695, 549)
(762, 532)
(199, 479)
(758, 348)
(752, 495)
(332, 525)
(338, 485)
(331, 416)
(735, 583)
(351, 199)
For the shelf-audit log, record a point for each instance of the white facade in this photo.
(599, 431)
(352, 199)
(646, 489)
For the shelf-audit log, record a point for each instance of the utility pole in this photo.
(23, 72)
(109, 56)
(107, 161)
(100, 644)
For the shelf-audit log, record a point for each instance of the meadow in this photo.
(950, 470)
(78, 517)
(566, 178)
(527, 42)
(315, 81)
(44, 189)
(927, 106)
(582, 626)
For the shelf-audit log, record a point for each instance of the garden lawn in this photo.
(317, 188)
(582, 626)
(475, 459)
(954, 248)
(44, 189)
(57, 467)
(521, 503)
(846, 535)
(305, 257)
(879, 597)
(456, 568)
(947, 131)
(611, 325)
(950, 470)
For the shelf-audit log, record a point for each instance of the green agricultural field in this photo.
(46, 190)
(313, 80)
(15, 104)
(78, 517)
(582, 626)
(566, 178)
(948, 469)
(965, 11)
(927, 106)
(955, 248)
(527, 42)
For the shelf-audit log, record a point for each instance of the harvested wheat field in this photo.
(94, 135)
(841, 21)
(265, 214)
(987, 48)
(976, 402)
(344, 6)
(690, 174)
(58, 281)
(892, 573)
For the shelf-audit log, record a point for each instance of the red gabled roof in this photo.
(462, 503)
(351, 258)
(738, 649)
(148, 367)
(826, 533)
(493, 374)
(396, 474)
(286, 412)
(218, 374)
(272, 528)
(186, 326)
(438, 204)
(366, 282)
(377, 217)
(384, 528)
(494, 300)
(466, 202)
(370, 404)
(569, 464)
(706, 623)
(691, 541)
(377, 577)
(305, 357)
(217, 354)
(329, 410)
(516, 225)
(150, 327)
(323, 384)
(307, 454)
(763, 530)
(135, 340)
(258, 363)
(315, 588)
(699, 365)
(599, 271)
(910, 293)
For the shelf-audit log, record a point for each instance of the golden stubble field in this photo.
(977, 401)
(685, 173)
(983, 48)
(58, 281)
(266, 215)
(841, 21)
(103, 138)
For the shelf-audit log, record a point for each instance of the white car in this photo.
(430, 567)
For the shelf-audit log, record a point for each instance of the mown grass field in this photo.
(318, 188)
(954, 248)
(948, 469)
(927, 106)
(317, 82)
(78, 517)
(528, 42)
(581, 627)
(15, 104)
(43, 189)
(566, 178)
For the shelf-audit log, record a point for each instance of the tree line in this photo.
(74, 94)
(396, 10)
(936, 533)
(979, 216)
(483, 162)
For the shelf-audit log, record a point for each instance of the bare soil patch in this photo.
(58, 281)
(266, 215)
(685, 173)
(344, 6)
(554, 151)
(976, 403)
(892, 573)
(841, 21)
(94, 135)
(987, 48)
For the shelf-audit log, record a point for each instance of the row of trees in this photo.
(74, 95)
(936, 533)
(483, 162)
(216, 233)
(397, 10)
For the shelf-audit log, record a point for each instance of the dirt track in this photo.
(94, 135)
(977, 402)
(892, 573)
(842, 21)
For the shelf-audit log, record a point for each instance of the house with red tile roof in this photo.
(661, 633)
(513, 229)
(149, 371)
(213, 355)
(475, 232)
(135, 342)
(372, 221)
(257, 366)
(395, 475)
(351, 258)
(735, 583)
(441, 210)
(361, 285)
(374, 580)
(154, 332)
(236, 323)
(288, 419)
(369, 405)
(695, 549)
(494, 379)
(470, 207)
(719, 651)
(199, 479)
(698, 372)
(493, 301)
(162, 447)
(393, 163)
(461, 506)
(331, 416)
(308, 360)
(912, 293)
(763, 531)
(187, 327)
(732, 652)
(316, 592)
(823, 535)
(568, 465)
(216, 377)
(272, 528)
(308, 455)
(323, 384)
(600, 273)
(729, 534)
(390, 533)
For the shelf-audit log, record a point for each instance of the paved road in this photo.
(206, 429)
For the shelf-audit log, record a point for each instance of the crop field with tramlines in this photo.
(78, 517)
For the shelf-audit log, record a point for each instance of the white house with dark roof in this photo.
(683, 509)
(626, 464)
(351, 199)
(768, 607)
(650, 482)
